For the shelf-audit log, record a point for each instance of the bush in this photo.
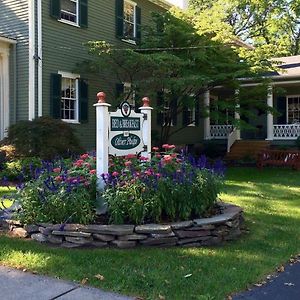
(167, 188)
(298, 142)
(43, 137)
(59, 192)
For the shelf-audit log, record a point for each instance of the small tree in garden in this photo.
(173, 64)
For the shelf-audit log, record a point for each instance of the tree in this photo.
(274, 23)
(173, 64)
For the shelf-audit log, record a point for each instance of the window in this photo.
(191, 116)
(129, 93)
(69, 97)
(72, 12)
(128, 21)
(69, 11)
(293, 109)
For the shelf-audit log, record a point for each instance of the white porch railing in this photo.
(232, 137)
(286, 131)
(220, 131)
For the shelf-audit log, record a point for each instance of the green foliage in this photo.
(59, 192)
(298, 142)
(271, 26)
(167, 188)
(43, 137)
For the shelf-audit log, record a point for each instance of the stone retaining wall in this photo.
(194, 233)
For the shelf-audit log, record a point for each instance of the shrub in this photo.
(59, 192)
(298, 142)
(43, 137)
(167, 188)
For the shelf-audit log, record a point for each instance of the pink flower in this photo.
(167, 158)
(87, 165)
(57, 170)
(158, 175)
(58, 178)
(155, 148)
(165, 146)
(148, 172)
(78, 163)
(171, 147)
(143, 158)
(130, 156)
(115, 174)
(84, 156)
(128, 163)
(93, 172)
(158, 155)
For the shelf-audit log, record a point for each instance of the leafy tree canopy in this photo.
(173, 63)
(270, 25)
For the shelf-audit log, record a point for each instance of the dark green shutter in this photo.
(83, 13)
(55, 9)
(55, 96)
(119, 18)
(83, 100)
(138, 19)
(159, 111)
(137, 100)
(185, 114)
(197, 111)
(174, 111)
(281, 108)
(119, 90)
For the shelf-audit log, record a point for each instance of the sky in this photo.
(177, 2)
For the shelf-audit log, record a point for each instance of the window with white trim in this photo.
(293, 109)
(129, 25)
(69, 11)
(69, 97)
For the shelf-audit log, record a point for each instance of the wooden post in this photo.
(146, 110)
(102, 119)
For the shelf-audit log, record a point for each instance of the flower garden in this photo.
(171, 191)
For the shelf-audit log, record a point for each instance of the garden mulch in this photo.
(285, 286)
(20, 285)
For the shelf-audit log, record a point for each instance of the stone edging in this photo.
(195, 233)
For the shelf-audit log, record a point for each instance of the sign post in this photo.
(120, 133)
(102, 117)
(146, 110)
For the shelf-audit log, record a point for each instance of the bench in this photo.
(282, 158)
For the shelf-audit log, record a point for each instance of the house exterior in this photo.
(282, 128)
(41, 42)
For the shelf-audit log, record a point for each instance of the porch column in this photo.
(237, 116)
(207, 118)
(270, 115)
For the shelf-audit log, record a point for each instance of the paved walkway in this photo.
(284, 287)
(18, 285)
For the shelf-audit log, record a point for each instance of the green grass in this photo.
(272, 208)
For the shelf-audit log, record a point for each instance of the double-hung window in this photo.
(69, 97)
(128, 21)
(69, 11)
(72, 12)
(293, 109)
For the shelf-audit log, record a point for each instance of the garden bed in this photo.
(194, 233)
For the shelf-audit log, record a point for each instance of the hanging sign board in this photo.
(125, 131)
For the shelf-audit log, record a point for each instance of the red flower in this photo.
(165, 146)
(78, 163)
(130, 156)
(87, 165)
(93, 172)
(57, 170)
(167, 158)
(128, 163)
(155, 148)
(144, 158)
(171, 147)
(84, 156)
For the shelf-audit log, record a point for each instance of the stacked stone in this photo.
(194, 233)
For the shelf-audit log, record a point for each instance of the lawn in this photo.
(4, 191)
(272, 208)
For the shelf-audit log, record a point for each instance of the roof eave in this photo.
(162, 3)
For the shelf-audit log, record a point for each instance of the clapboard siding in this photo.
(14, 25)
(63, 48)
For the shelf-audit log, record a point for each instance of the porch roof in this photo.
(6, 39)
(289, 65)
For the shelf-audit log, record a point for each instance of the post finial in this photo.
(101, 97)
(146, 102)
